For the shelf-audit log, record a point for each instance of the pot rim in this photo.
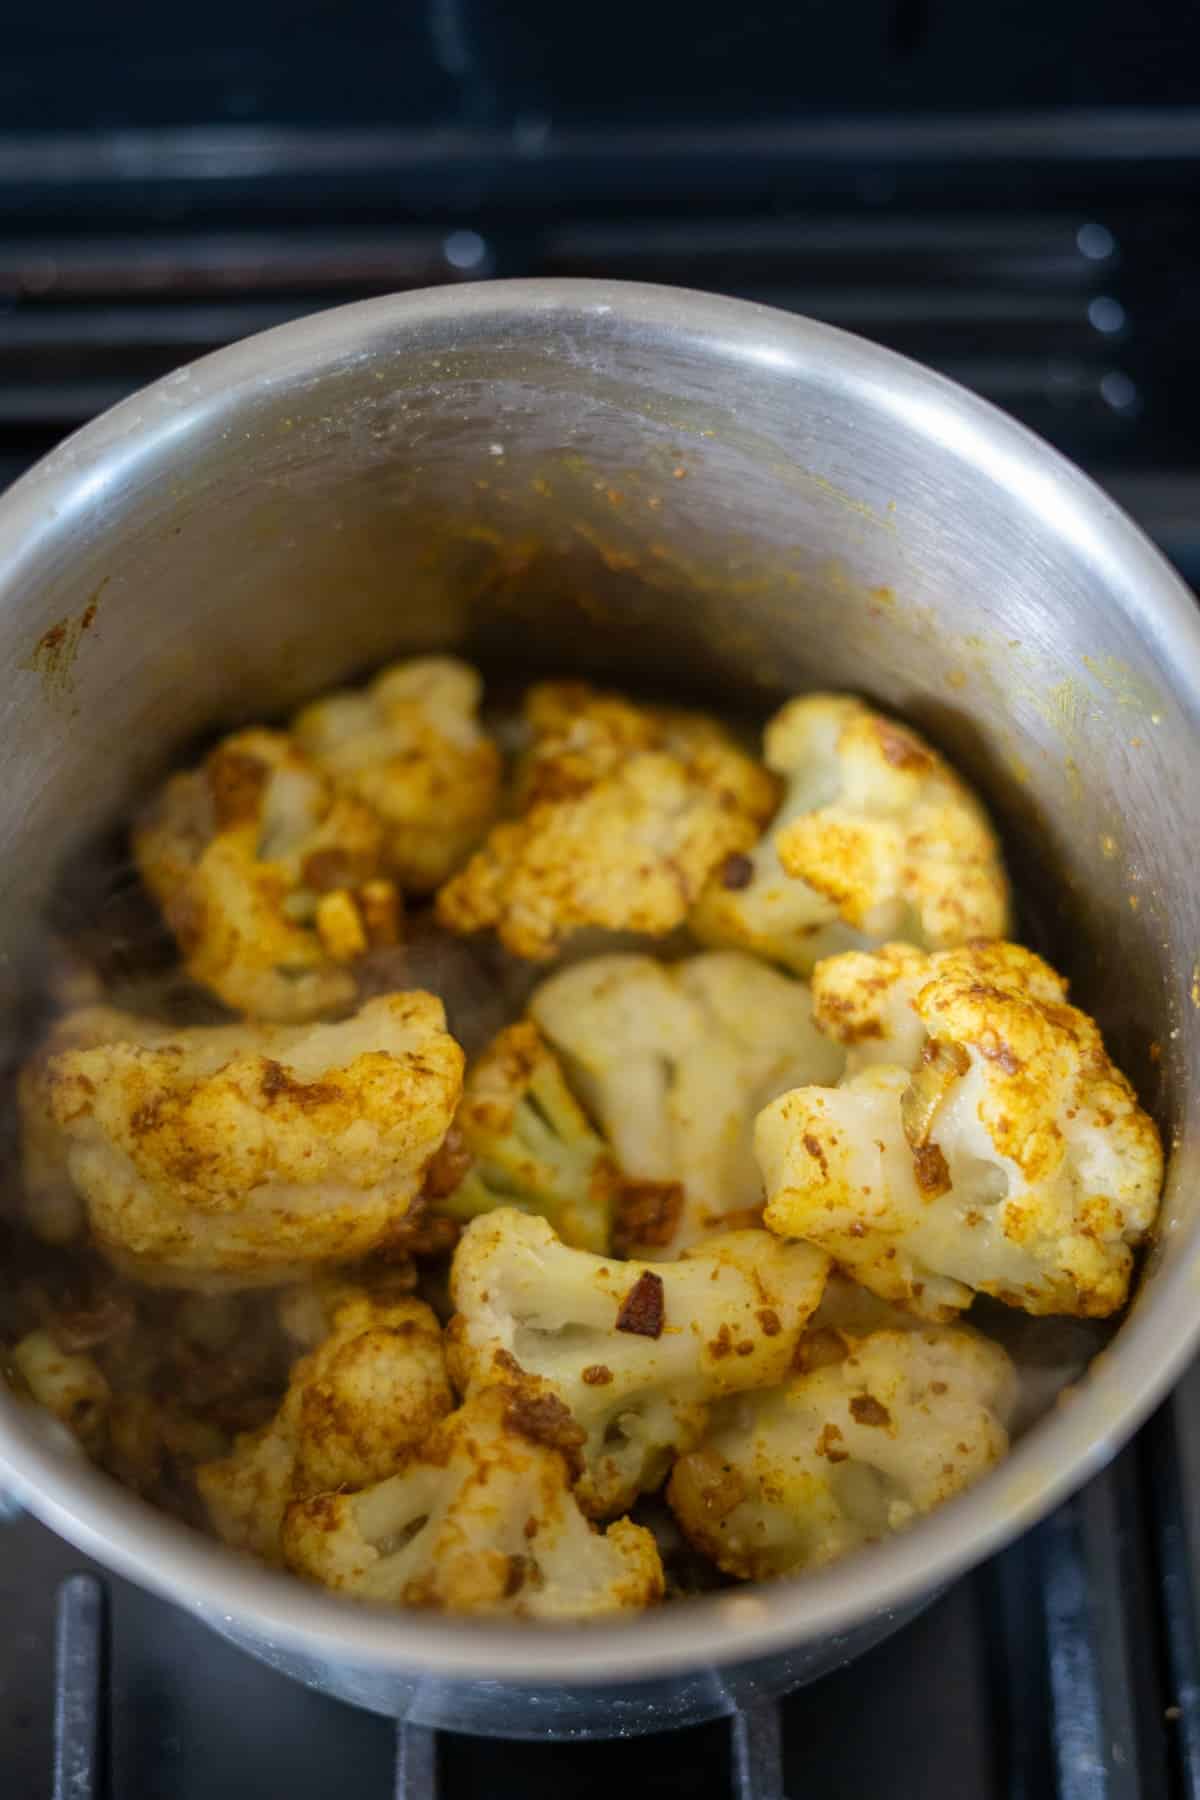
(1057, 1455)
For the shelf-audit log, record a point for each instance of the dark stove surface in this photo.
(982, 188)
(1065, 1669)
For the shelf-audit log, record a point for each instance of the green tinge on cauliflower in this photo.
(1010, 1159)
(876, 1432)
(636, 1352)
(674, 1061)
(243, 1155)
(367, 1396)
(877, 838)
(530, 1144)
(482, 1519)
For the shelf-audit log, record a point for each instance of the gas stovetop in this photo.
(164, 192)
(1065, 1669)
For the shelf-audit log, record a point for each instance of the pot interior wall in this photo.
(650, 508)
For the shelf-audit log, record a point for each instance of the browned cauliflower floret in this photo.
(877, 838)
(872, 1434)
(270, 879)
(864, 1001)
(625, 811)
(69, 1384)
(372, 1391)
(674, 1061)
(243, 1154)
(481, 1520)
(526, 1142)
(636, 1352)
(411, 747)
(147, 1441)
(1007, 1156)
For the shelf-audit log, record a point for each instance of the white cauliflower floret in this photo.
(1009, 1158)
(481, 1520)
(875, 1433)
(674, 1061)
(370, 1393)
(271, 880)
(410, 746)
(635, 1352)
(624, 812)
(243, 1154)
(526, 1142)
(877, 838)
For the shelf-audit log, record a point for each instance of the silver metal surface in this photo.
(681, 492)
(79, 1690)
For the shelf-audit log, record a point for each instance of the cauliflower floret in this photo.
(636, 1353)
(269, 878)
(1008, 1158)
(69, 1384)
(526, 1142)
(148, 1442)
(53, 1203)
(877, 838)
(625, 811)
(482, 1520)
(880, 1430)
(674, 1061)
(410, 747)
(864, 1001)
(243, 1154)
(371, 1392)
(154, 1445)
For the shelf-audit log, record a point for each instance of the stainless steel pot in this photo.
(660, 488)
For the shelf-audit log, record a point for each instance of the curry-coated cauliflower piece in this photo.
(370, 1393)
(482, 1519)
(877, 838)
(270, 878)
(410, 746)
(53, 1204)
(624, 812)
(240, 1155)
(872, 1433)
(674, 1061)
(636, 1352)
(1008, 1157)
(526, 1142)
(69, 1384)
(147, 1441)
